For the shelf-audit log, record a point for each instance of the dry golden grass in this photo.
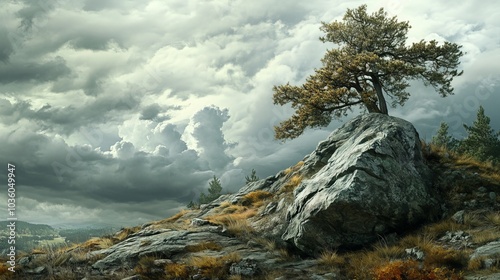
(412, 270)
(487, 170)
(145, 267)
(80, 256)
(436, 230)
(484, 235)
(493, 218)
(97, 243)
(4, 269)
(291, 184)
(285, 255)
(255, 198)
(125, 233)
(360, 265)
(240, 213)
(176, 271)
(294, 168)
(239, 228)
(38, 251)
(225, 204)
(475, 264)
(207, 245)
(389, 252)
(214, 267)
(438, 256)
(421, 241)
(270, 245)
(235, 222)
(173, 218)
(331, 260)
(474, 219)
(234, 209)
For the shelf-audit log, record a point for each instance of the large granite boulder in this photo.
(369, 179)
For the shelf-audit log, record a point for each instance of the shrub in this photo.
(412, 270)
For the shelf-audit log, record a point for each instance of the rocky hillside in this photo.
(371, 202)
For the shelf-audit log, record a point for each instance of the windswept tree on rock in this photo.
(372, 60)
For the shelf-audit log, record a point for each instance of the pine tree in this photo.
(482, 141)
(214, 191)
(252, 177)
(371, 59)
(442, 138)
(191, 205)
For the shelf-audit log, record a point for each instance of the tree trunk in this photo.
(380, 95)
(372, 107)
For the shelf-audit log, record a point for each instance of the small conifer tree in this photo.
(252, 177)
(442, 138)
(214, 191)
(482, 141)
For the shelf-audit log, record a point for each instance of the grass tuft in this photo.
(213, 267)
(291, 184)
(331, 260)
(255, 198)
(175, 271)
(207, 245)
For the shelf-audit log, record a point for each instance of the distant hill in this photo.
(25, 228)
(30, 236)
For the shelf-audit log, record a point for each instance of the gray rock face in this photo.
(163, 243)
(244, 267)
(371, 180)
(489, 250)
(458, 217)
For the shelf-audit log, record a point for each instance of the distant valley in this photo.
(31, 236)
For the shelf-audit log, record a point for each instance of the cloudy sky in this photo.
(121, 111)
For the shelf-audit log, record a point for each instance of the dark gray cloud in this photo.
(6, 48)
(34, 10)
(18, 72)
(150, 112)
(70, 118)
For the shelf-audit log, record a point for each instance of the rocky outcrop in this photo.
(371, 179)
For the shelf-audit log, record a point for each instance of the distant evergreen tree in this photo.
(252, 177)
(214, 191)
(191, 205)
(482, 141)
(443, 139)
